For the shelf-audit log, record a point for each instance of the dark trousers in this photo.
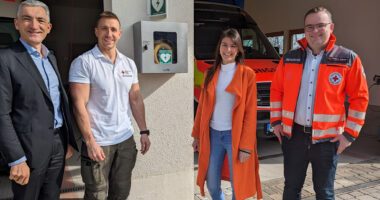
(111, 178)
(298, 153)
(44, 183)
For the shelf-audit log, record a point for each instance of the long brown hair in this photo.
(234, 35)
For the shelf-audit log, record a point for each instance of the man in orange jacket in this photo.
(307, 105)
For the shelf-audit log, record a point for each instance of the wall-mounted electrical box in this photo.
(160, 47)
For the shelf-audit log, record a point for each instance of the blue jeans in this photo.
(220, 144)
(298, 153)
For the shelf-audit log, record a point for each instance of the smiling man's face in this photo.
(318, 28)
(108, 33)
(33, 25)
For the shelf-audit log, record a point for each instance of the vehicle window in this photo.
(211, 19)
(8, 33)
(253, 44)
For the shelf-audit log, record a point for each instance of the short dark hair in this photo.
(107, 15)
(317, 10)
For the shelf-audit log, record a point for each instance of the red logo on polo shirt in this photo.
(125, 73)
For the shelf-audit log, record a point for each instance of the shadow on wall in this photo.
(154, 83)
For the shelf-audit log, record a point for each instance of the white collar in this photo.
(228, 67)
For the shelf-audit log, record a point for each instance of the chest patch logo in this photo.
(335, 78)
(125, 73)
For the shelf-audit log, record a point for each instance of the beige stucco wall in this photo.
(166, 172)
(356, 26)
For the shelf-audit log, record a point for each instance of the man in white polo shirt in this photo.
(104, 89)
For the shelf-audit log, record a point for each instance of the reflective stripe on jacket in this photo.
(340, 74)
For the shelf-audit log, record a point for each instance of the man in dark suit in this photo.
(35, 123)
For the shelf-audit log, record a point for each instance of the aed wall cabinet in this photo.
(160, 47)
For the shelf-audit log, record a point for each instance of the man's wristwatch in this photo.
(145, 132)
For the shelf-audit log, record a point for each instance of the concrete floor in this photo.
(366, 148)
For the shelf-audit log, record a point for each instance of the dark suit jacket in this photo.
(26, 110)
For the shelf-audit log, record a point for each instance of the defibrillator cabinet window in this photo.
(165, 47)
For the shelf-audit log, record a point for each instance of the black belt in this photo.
(300, 128)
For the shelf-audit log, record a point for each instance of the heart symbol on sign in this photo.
(157, 4)
(165, 57)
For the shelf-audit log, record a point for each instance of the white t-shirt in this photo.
(221, 119)
(108, 104)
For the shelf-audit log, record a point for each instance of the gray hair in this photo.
(33, 3)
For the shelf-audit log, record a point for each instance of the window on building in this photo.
(294, 36)
(277, 41)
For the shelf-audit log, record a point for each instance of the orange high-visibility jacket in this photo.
(246, 180)
(340, 74)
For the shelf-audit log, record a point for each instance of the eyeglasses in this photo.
(319, 27)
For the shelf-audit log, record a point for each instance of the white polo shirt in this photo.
(108, 104)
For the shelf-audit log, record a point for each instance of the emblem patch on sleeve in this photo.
(335, 78)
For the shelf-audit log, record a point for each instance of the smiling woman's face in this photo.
(228, 50)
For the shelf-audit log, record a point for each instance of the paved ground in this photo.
(358, 174)
(353, 181)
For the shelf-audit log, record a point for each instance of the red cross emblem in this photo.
(335, 78)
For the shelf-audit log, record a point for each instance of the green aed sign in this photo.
(157, 7)
(165, 56)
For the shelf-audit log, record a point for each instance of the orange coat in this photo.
(245, 175)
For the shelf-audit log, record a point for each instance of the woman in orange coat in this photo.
(224, 130)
